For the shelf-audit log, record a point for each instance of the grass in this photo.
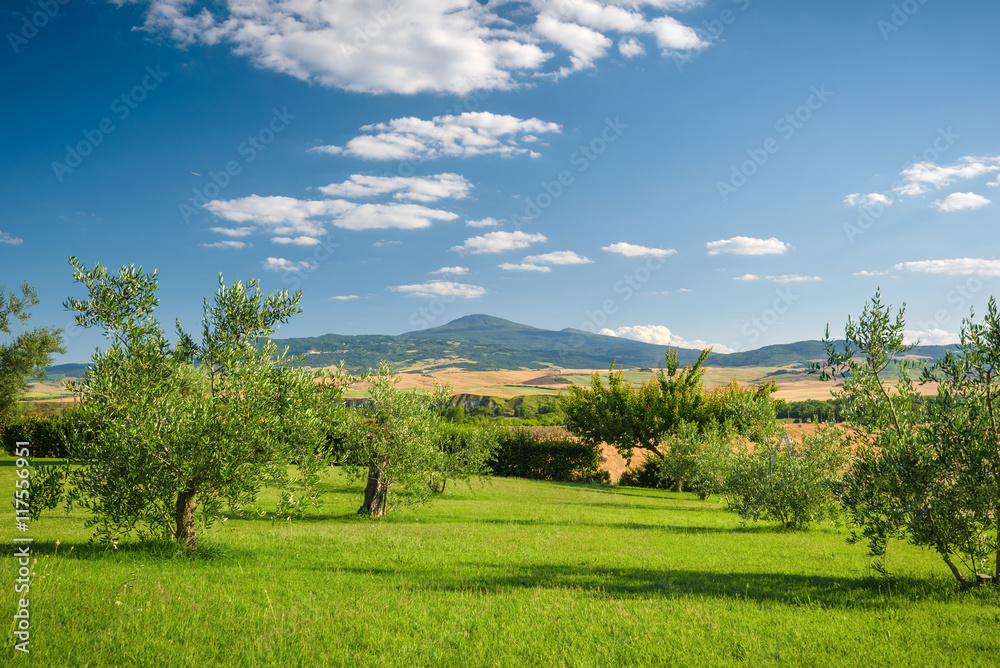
(508, 574)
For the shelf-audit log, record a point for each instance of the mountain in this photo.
(484, 342)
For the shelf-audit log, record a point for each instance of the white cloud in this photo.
(296, 241)
(225, 244)
(509, 266)
(441, 289)
(631, 47)
(281, 264)
(232, 231)
(929, 337)
(385, 216)
(865, 272)
(747, 246)
(498, 242)
(467, 135)
(922, 176)
(957, 267)
(419, 189)
(414, 46)
(660, 335)
(457, 271)
(634, 250)
(286, 216)
(747, 277)
(485, 222)
(381, 243)
(7, 238)
(961, 202)
(344, 298)
(558, 257)
(793, 278)
(867, 200)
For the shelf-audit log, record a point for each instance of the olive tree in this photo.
(400, 443)
(167, 433)
(29, 353)
(927, 472)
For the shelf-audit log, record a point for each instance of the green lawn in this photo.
(512, 573)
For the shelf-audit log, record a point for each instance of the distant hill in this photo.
(485, 342)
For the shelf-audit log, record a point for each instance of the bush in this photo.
(49, 436)
(698, 460)
(649, 474)
(522, 455)
(795, 486)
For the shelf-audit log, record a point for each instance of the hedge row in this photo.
(48, 436)
(522, 455)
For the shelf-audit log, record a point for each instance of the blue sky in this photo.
(729, 172)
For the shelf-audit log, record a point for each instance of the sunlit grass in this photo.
(512, 573)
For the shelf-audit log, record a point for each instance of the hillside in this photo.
(484, 343)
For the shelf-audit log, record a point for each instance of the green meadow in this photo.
(510, 573)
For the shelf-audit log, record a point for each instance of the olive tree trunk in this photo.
(376, 490)
(184, 531)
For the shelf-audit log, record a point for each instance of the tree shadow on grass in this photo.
(797, 590)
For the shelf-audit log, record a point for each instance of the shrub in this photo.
(795, 486)
(699, 461)
(648, 474)
(49, 436)
(522, 455)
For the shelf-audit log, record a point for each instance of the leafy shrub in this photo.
(522, 455)
(48, 436)
(648, 474)
(795, 486)
(698, 460)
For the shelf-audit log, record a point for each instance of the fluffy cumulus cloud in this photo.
(466, 135)
(929, 337)
(296, 241)
(281, 264)
(867, 200)
(288, 216)
(441, 289)
(558, 257)
(747, 277)
(661, 336)
(524, 266)
(8, 238)
(413, 188)
(226, 244)
(634, 250)
(457, 271)
(484, 222)
(498, 242)
(922, 177)
(414, 46)
(965, 266)
(747, 246)
(232, 231)
(793, 278)
(960, 202)
(865, 272)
